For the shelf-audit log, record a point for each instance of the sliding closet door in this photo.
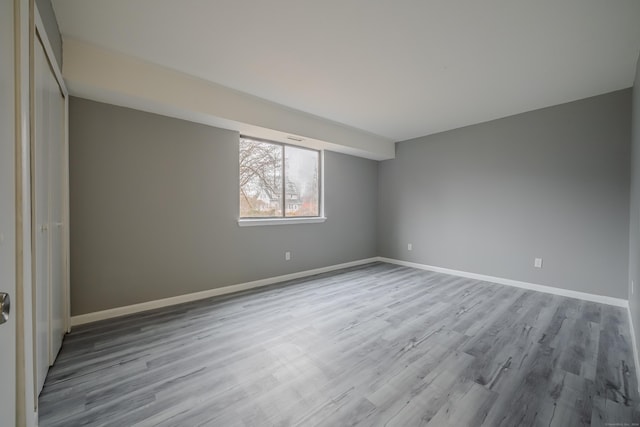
(41, 213)
(57, 200)
(49, 199)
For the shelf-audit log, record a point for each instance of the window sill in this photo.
(246, 222)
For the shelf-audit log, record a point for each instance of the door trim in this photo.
(26, 413)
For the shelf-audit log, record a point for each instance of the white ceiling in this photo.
(399, 69)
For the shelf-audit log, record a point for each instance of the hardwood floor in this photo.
(378, 345)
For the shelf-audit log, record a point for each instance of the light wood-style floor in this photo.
(375, 345)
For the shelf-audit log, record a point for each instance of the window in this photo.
(278, 180)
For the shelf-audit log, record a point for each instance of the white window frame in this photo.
(252, 222)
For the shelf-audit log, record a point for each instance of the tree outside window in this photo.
(278, 180)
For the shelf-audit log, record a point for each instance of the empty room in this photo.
(331, 213)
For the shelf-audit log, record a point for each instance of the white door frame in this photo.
(26, 414)
(26, 21)
(8, 220)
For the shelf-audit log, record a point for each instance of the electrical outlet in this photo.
(537, 263)
(410, 247)
(287, 256)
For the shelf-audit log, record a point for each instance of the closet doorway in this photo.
(49, 207)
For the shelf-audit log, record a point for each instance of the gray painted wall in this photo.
(634, 223)
(489, 198)
(51, 27)
(154, 203)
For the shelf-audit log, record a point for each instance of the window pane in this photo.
(260, 179)
(301, 182)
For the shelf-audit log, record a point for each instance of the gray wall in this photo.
(51, 27)
(634, 224)
(488, 198)
(154, 203)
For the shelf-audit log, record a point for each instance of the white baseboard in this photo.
(165, 302)
(634, 344)
(618, 302)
